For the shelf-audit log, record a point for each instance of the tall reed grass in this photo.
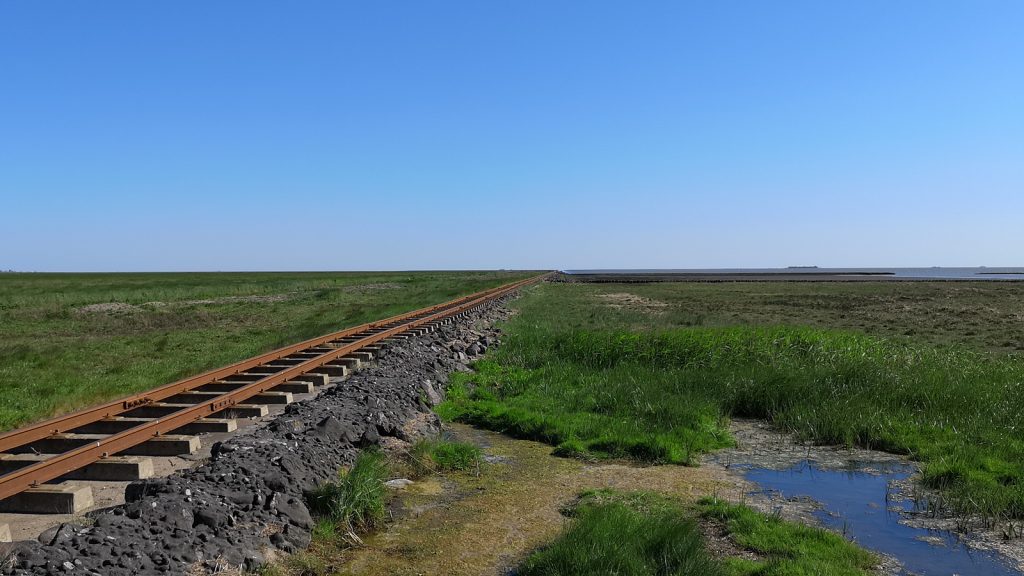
(664, 395)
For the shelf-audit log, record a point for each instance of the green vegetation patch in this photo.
(430, 456)
(644, 533)
(356, 501)
(584, 378)
(630, 534)
(628, 411)
(787, 548)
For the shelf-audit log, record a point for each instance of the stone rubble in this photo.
(246, 504)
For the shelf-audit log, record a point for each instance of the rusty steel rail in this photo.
(58, 465)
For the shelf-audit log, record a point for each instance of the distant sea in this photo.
(979, 273)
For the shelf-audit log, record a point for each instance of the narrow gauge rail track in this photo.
(104, 431)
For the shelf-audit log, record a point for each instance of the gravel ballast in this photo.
(246, 504)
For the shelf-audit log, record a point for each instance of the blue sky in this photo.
(528, 134)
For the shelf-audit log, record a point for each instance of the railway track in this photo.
(103, 442)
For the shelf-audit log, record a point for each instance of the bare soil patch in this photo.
(113, 308)
(620, 300)
(261, 298)
(373, 287)
(123, 308)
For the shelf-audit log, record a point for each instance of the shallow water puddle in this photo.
(857, 502)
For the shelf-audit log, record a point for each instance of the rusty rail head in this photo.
(51, 468)
(74, 420)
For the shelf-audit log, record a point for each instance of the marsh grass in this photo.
(627, 534)
(624, 412)
(569, 375)
(647, 534)
(982, 316)
(786, 548)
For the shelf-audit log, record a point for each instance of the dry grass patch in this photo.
(625, 300)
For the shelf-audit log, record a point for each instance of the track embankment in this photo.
(246, 504)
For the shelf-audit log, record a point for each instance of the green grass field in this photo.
(71, 340)
(639, 371)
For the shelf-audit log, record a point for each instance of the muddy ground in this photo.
(759, 446)
(465, 524)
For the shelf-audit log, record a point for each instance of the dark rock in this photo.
(433, 396)
(252, 561)
(299, 537)
(220, 448)
(140, 489)
(275, 481)
(291, 465)
(370, 437)
(238, 497)
(48, 535)
(295, 511)
(212, 518)
(329, 429)
(278, 539)
(178, 516)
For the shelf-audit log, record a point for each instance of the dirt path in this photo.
(464, 525)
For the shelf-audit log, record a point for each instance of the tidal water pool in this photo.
(858, 502)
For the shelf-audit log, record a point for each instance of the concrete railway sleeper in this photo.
(111, 442)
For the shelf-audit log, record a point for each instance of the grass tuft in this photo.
(632, 534)
(356, 502)
(430, 456)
